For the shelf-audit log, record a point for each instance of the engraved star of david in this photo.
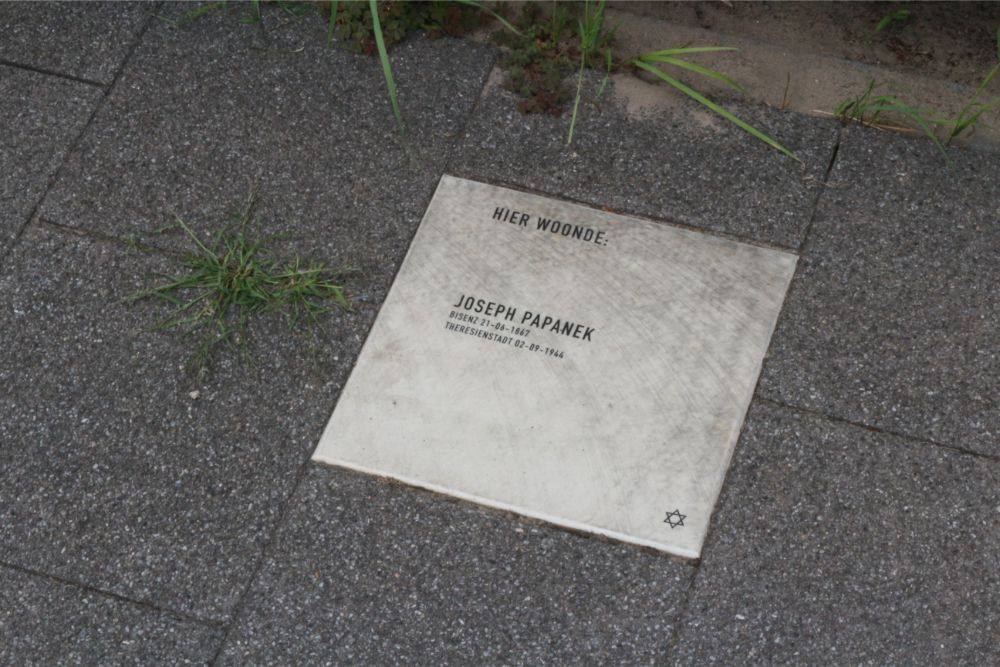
(675, 519)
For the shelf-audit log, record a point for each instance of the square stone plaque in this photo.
(577, 366)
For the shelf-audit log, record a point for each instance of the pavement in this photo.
(147, 517)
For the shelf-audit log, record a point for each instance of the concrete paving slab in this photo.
(114, 473)
(202, 110)
(892, 318)
(44, 622)
(40, 117)
(836, 544)
(118, 478)
(368, 572)
(86, 40)
(662, 166)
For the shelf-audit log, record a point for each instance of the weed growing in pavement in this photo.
(233, 279)
(543, 46)
(549, 48)
(873, 108)
(540, 56)
(975, 108)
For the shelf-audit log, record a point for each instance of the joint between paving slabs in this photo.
(127, 242)
(237, 610)
(149, 606)
(459, 142)
(33, 214)
(51, 72)
(824, 184)
(468, 505)
(877, 429)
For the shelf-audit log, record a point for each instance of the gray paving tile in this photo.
(40, 116)
(202, 110)
(678, 167)
(369, 572)
(893, 316)
(836, 544)
(44, 622)
(113, 475)
(87, 40)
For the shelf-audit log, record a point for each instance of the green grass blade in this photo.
(607, 73)
(898, 15)
(686, 50)
(194, 237)
(576, 102)
(504, 22)
(590, 27)
(332, 26)
(964, 121)
(701, 99)
(915, 115)
(254, 16)
(384, 58)
(199, 12)
(704, 71)
(986, 81)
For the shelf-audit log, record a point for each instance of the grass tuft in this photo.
(872, 108)
(234, 279)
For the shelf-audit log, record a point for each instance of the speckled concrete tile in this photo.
(686, 167)
(114, 473)
(44, 622)
(202, 110)
(893, 316)
(40, 116)
(87, 40)
(368, 572)
(835, 544)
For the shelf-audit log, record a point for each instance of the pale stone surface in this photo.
(621, 423)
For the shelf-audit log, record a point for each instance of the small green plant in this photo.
(541, 52)
(876, 109)
(545, 52)
(873, 108)
(232, 280)
(539, 55)
(898, 16)
(975, 108)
